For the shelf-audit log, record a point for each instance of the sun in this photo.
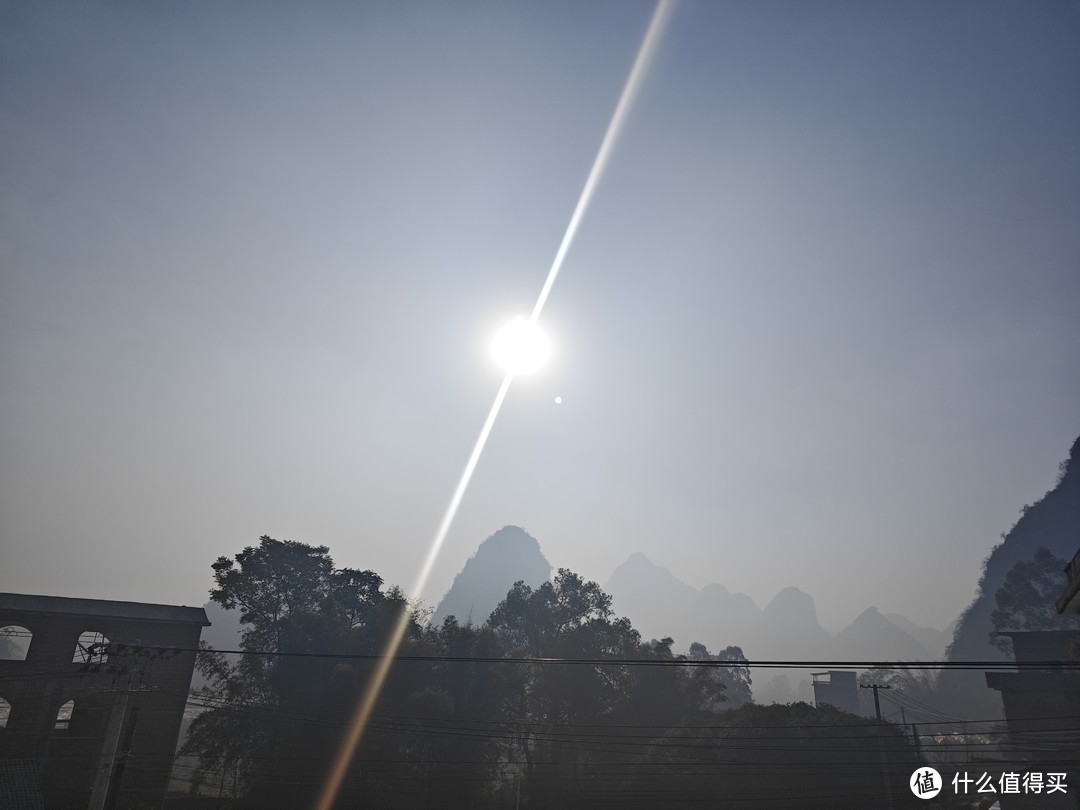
(520, 347)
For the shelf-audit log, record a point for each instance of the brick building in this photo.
(92, 695)
(1041, 711)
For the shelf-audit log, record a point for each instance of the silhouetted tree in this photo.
(1052, 522)
(267, 708)
(446, 731)
(1026, 600)
(736, 680)
(569, 706)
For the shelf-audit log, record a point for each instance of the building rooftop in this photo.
(66, 605)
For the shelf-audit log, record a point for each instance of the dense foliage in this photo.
(495, 732)
(1026, 600)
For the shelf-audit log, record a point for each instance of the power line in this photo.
(658, 662)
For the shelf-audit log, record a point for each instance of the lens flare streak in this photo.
(645, 54)
(382, 668)
(371, 693)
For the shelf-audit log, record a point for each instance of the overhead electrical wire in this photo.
(1049, 664)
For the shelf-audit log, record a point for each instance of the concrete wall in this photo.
(64, 761)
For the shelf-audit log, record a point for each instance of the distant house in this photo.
(837, 688)
(1041, 710)
(92, 694)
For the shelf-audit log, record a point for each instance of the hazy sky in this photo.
(820, 326)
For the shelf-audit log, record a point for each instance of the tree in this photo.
(571, 618)
(266, 708)
(1026, 599)
(268, 583)
(446, 730)
(735, 680)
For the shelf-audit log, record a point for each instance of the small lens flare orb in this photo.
(520, 347)
(558, 400)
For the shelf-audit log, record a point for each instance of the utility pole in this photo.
(107, 761)
(113, 751)
(877, 703)
(881, 745)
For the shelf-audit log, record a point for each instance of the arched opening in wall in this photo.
(5, 713)
(14, 642)
(63, 716)
(91, 648)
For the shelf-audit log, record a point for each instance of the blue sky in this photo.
(819, 325)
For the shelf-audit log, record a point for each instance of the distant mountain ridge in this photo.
(658, 603)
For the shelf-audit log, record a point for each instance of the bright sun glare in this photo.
(521, 347)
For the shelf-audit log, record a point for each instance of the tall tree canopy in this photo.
(448, 731)
(267, 707)
(1026, 599)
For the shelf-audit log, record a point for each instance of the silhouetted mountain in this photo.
(789, 629)
(740, 611)
(934, 641)
(874, 637)
(509, 555)
(659, 604)
(1053, 523)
